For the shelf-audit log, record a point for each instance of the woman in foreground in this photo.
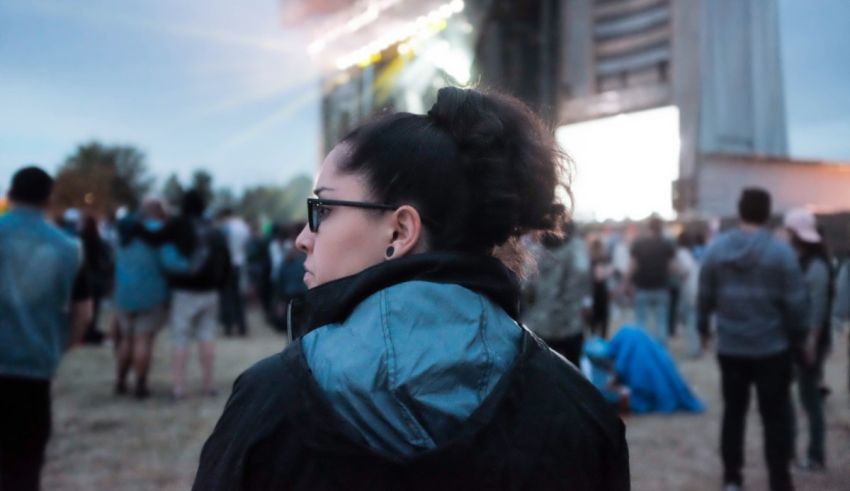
(409, 370)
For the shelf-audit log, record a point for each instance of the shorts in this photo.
(138, 323)
(193, 316)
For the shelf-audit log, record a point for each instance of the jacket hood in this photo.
(334, 301)
(742, 249)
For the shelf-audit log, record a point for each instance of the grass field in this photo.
(103, 442)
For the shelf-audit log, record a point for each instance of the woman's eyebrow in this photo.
(321, 189)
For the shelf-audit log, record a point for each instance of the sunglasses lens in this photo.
(313, 216)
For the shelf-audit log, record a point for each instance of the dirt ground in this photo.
(102, 442)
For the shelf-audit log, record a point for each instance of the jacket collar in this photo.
(332, 302)
(28, 212)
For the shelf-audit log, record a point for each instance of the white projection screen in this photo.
(623, 166)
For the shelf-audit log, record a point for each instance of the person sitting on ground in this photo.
(409, 369)
(646, 369)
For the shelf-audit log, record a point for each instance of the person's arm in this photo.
(627, 287)
(841, 307)
(82, 309)
(81, 315)
(674, 268)
(794, 297)
(618, 475)
(706, 297)
(817, 280)
(632, 268)
(152, 237)
(172, 261)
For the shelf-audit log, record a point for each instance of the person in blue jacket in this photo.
(408, 368)
(141, 296)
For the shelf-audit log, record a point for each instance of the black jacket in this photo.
(543, 426)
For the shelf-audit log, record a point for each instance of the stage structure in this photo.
(669, 106)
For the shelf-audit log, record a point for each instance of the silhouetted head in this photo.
(193, 203)
(754, 206)
(655, 225)
(31, 186)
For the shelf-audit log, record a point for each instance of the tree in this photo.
(224, 198)
(282, 204)
(102, 178)
(202, 182)
(172, 191)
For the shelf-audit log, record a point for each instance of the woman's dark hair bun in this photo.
(481, 168)
(511, 161)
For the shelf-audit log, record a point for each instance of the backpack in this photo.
(209, 262)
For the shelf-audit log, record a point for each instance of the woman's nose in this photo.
(304, 241)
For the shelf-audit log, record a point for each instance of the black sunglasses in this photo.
(314, 208)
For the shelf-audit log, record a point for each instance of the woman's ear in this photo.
(406, 232)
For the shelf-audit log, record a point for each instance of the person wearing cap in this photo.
(801, 226)
(751, 282)
(44, 310)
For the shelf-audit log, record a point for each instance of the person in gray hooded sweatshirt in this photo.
(753, 284)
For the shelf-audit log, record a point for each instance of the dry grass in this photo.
(101, 441)
(681, 452)
(104, 442)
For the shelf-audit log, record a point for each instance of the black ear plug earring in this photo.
(390, 251)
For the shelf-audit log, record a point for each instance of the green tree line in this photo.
(101, 178)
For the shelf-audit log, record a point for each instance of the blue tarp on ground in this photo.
(645, 367)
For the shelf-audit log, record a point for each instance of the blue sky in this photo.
(192, 83)
(223, 85)
(816, 67)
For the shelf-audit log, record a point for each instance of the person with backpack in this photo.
(197, 260)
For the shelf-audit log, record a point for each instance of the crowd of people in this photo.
(190, 271)
(771, 297)
(408, 364)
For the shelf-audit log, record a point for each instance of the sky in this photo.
(223, 85)
(815, 37)
(191, 83)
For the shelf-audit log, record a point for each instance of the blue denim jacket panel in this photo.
(38, 264)
(413, 362)
(140, 281)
